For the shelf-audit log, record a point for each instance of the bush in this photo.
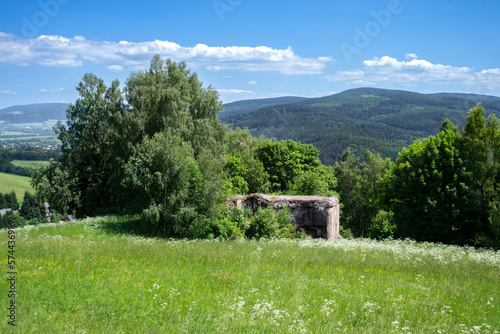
(242, 223)
(10, 219)
(267, 223)
(383, 225)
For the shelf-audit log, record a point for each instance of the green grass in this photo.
(84, 277)
(29, 163)
(20, 184)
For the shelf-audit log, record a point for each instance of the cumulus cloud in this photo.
(411, 56)
(7, 92)
(391, 70)
(253, 82)
(72, 52)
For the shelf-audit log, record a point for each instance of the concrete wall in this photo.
(318, 216)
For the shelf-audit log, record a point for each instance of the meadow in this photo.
(97, 276)
(29, 163)
(20, 184)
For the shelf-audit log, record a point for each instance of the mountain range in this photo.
(383, 121)
(33, 113)
(380, 120)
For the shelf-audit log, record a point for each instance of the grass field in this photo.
(28, 163)
(20, 184)
(85, 277)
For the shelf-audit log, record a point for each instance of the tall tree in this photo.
(105, 137)
(168, 97)
(285, 161)
(11, 200)
(358, 186)
(87, 143)
(441, 189)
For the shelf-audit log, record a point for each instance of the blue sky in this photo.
(252, 49)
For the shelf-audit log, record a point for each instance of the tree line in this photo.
(440, 189)
(157, 149)
(9, 154)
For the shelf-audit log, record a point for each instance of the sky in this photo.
(251, 49)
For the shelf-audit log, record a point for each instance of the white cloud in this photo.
(391, 70)
(231, 95)
(234, 91)
(7, 92)
(411, 56)
(116, 68)
(71, 52)
(253, 82)
(43, 90)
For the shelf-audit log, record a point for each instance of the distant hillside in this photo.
(473, 97)
(246, 106)
(380, 120)
(34, 113)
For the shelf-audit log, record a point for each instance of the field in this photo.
(20, 184)
(29, 163)
(91, 277)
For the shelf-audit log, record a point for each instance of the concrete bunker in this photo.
(318, 216)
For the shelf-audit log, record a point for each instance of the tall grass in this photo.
(84, 277)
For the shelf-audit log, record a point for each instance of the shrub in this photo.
(383, 225)
(267, 223)
(10, 219)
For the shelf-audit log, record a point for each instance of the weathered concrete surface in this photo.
(318, 216)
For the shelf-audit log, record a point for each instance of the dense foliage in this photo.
(440, 189)
(382, 121)
(444, 187)
(157, 149)
(9, 201)
(32, 209)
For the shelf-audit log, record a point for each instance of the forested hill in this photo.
(34, 113)
(382, 121)
(246, 106)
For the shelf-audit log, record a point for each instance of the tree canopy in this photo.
(441, 188)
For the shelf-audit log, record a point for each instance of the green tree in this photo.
(348, 177)
(169, 97)
(87, 146)
(167, 185)
(55, 185)
(11, 201)
(480, 144)
(32, 208)
(444, 187)
(359, 185)
(103, 134)
(285, 161)
(242, 146)
(3, 203)
(430, 191)
(319, 181)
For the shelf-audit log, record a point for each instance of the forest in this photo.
(379, 120)
(156, 149)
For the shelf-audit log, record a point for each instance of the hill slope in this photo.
(34, 113)
(246, 106)
(380, 120)
(19, 184)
